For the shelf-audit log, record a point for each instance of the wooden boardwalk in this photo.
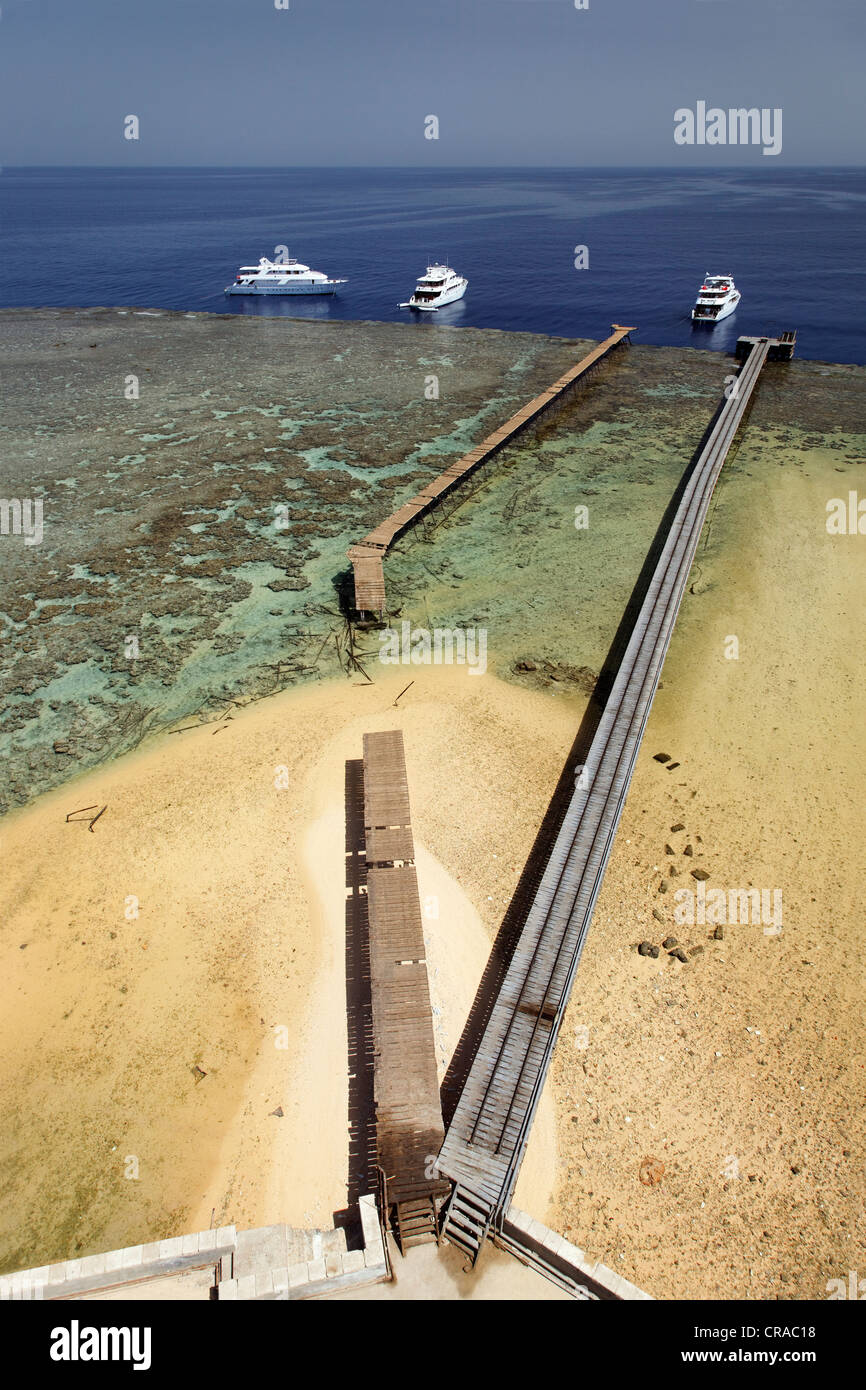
(409, 1127)
(367, 555)
(488, 1133)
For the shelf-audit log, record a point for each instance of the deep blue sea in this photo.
(173, 238)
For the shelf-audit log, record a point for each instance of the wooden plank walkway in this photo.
(368, 554)
(488, 1133)
(409, 1126)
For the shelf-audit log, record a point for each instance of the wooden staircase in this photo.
(467, 1220)
(416, 1222)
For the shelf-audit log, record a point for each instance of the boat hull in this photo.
(449, 298)
(302, 289)
(724, 312)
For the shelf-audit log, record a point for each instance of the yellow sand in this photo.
(743, 1071)
(235, 962)
(240, 933)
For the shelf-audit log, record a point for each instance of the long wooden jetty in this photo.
(367, 555)
(409, 1126)
(487, 1136)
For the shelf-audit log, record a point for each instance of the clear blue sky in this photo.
(349, 82)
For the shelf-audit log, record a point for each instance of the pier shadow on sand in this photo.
(527, 886)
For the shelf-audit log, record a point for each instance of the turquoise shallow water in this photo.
(209, 519)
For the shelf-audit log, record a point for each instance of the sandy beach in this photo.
(735, 1070)
(173, 1047)
(743, 1071)
(234, 963)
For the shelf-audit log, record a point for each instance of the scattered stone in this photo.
(198, 1074)
(663, 888)
(679, 826)
(661, 757)
(696, 950)
(62, 748)
(671, 766)
(700, 874)
(673, 871)
(278, 1112)
(659, 916)
(651, 1171)
(670, 942)
(583, 678)
(668, 850)
(679, 954)
(688, 850)
(719, 934)
(646, 948)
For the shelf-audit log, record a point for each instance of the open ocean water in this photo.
(173, 238)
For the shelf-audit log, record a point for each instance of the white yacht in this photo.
(438, 285)
(718, 297)
(281, 277)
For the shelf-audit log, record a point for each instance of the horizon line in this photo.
(443, 168)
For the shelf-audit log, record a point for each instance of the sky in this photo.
(352, 82)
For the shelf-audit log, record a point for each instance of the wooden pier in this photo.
(487, 1136)
(779, 349)
(409, 1126)
(367, 555)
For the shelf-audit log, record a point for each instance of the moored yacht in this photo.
(281, 277)
(717, 297)
(439, 285)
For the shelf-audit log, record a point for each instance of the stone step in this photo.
(280, 1247)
